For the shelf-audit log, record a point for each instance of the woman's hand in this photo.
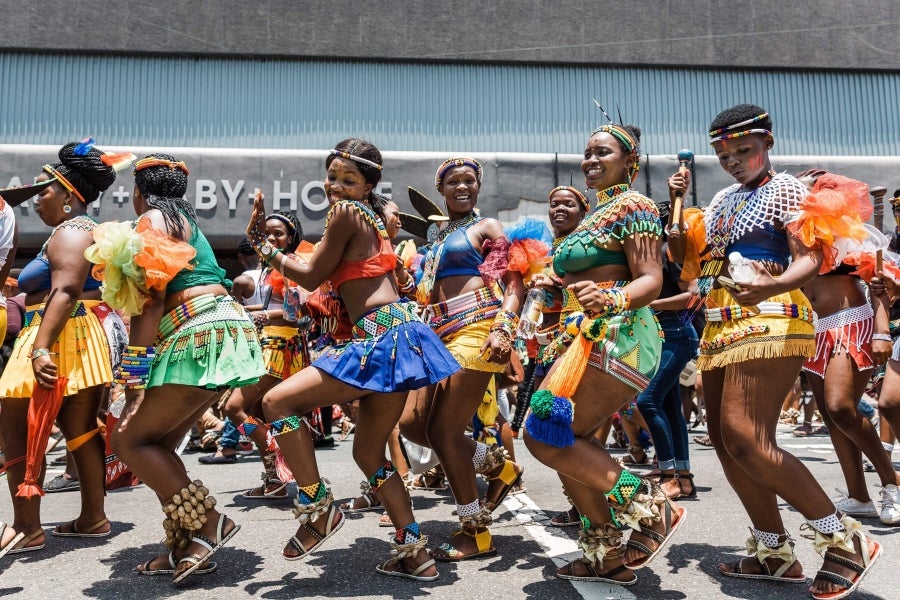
(497, 347)
(679, 182)
(45, 371)
(133, 400)
(256, 229)
(542, 280)
(881, 351)
(591, 297)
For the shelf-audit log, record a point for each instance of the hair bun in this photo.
(89, 166)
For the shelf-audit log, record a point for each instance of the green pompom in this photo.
(542, 403)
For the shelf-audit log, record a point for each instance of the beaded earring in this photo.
(66, 208)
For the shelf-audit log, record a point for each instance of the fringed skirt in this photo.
(733, 334)
(284, 350)
(463, 324)
(208, 342)
(81, 352)
(391, 351)
(848, 330)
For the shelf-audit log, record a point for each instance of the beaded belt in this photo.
(452, 315)
(784, 309)
(571, 303)
(34, 317)
(846, 316)
(384, 318)
(180, 315)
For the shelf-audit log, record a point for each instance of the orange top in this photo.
(374, 266)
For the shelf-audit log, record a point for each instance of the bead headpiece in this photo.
(146, 163)
(55, 174)
(631, 146)
(283, 219)
(717, 135)
(582, 200)
(354, 158)
(451, 163)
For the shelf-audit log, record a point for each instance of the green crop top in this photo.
(206, 269)
(620, 213)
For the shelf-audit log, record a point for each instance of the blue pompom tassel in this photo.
(556, 429)
(529, 229)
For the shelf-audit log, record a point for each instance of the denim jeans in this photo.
(660, 403)
(230, 435)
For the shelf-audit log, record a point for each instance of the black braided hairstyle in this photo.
(87, 173)
(295, 230)
(363, 149)
(635, 132)
(738, 114)
(163, 188)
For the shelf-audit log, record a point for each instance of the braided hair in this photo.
(86, 172)
(163, 188)
(372, 175)
(739, 114)
(295, 230)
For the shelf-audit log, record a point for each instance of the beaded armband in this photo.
(409, 287)
(617, 301)
(506, 321)
(134, 373)
(881, 337)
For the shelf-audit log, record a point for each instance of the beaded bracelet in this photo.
(506, 321)
(134, 371)
(409, 286)
(617, 301)
(881, 337)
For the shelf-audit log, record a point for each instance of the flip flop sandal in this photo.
(17, 545)
(402, 571)
(606, 577)
(145, 569)
(211, 546)
(88, 533)
(273, 494)
(661, 540)
(385, 521)
(370, 501)
(320, 538)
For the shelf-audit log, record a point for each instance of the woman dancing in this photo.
(62, 337)
(755, 341)
(189, 341)
(610, 270)
(391, 352)
(477, 323)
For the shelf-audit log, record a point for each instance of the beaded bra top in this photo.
(621, 212)
(374, 266)
(35, 277)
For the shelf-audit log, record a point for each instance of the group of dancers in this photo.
(420, 348)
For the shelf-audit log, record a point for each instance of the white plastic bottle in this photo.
(740, 268)
(531, 314)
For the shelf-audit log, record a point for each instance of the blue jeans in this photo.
(660, 403)
(230, 435)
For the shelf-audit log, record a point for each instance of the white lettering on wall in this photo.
(232, 193)
(120, 196)
(278, 196)
(206, 194)
(310, 203)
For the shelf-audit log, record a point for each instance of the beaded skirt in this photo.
(732, 334)
(81, 352)
(209, 342)
(463, 324)
(391, 351)
(284, 350)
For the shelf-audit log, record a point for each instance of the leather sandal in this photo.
(673, 518)
(19, 543)
(212, 546)
(70, 529)
(501, 484)
(569, 518)
(330, 529)
(146, 569)
(483, 543)
(692, 489)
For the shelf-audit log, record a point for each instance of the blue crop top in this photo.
(763, 243)
(459, 257)
(35, 277)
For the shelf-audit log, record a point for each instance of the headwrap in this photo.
(150, 161)
(451, 163)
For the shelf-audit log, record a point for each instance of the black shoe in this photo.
(61, 484)
(212, 459)
(325, 442)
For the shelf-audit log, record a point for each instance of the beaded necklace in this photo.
(604, 196)
(81, 223)
(365, 212)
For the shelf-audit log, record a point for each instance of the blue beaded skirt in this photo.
(391, 351)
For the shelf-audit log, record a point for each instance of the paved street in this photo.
(251, 566)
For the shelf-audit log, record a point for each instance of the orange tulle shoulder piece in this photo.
(528, 256)
(865, 263)
(836, 208)
(162, 257)
(695, 243)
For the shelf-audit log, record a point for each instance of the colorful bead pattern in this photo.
(250, 425)
(134, 371)
(456, 162)
(365, 211)
(409, 534)
(381, 475)
(285, 425)
(719, 343)
(310, 494)
(506, 321)
(626, 487)
(179, 315)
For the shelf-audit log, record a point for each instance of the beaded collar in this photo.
(469, 219)
(365, 211)
(604, 196)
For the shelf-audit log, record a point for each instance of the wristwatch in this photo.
(266, 250)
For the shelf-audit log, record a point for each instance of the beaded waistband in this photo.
(452, 315)
(570, 301)
(846, 316)
(377, 322)
(784, 309)
(179, 315)
(36, 315)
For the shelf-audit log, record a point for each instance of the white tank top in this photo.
(255, 298)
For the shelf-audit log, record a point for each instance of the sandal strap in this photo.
(844, 562)
(834, 578)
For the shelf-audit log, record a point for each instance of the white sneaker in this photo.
(890, 505)
(855, 508)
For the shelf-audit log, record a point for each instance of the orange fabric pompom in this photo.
(695, 239)
(865, 263)
(163, 257)
(528, 256)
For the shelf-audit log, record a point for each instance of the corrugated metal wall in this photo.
(206, 102)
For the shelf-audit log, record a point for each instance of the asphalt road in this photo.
(528, 550)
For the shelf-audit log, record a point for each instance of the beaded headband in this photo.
(631, 146)
(283, 219)
(451, 163)
(146, 163)
(578, 195)
(64, 182)
(717, 135)
(354, 158)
